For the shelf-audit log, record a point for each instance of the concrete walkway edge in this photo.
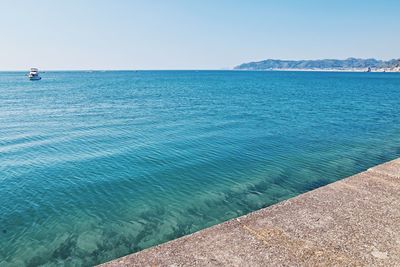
(351, 222)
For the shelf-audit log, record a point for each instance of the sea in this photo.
(96, 165)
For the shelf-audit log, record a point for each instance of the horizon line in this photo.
(89, 70)
(194, 69)
(205, 69)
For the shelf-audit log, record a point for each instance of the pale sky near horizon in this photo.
(179, 34)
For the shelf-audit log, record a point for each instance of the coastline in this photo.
(397, 70)
(350, 222)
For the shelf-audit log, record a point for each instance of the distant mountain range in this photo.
(323, 64)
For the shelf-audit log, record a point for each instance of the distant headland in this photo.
(349, 64)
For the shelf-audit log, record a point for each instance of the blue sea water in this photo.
(96, 165)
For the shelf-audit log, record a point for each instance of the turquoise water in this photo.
(96, 165)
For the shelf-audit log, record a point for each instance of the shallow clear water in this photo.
(97, 165)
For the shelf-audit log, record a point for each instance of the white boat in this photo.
(34, 75)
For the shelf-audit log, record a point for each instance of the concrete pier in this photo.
(352, 222)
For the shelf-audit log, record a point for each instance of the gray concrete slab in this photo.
(352, 222)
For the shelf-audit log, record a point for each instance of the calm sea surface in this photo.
(96, 165)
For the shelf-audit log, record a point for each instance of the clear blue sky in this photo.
(188, 34)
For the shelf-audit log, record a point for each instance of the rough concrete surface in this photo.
(352, 222)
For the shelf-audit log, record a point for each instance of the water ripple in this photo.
(98, 165)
